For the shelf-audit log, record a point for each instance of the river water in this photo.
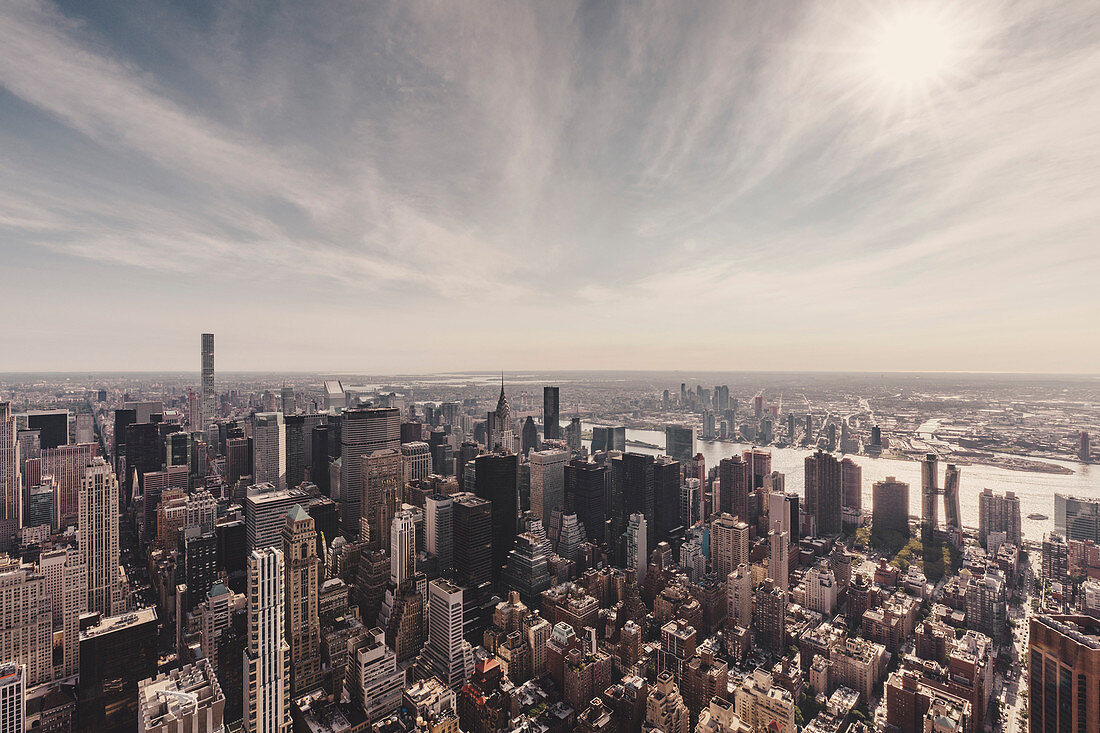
(1035, 490)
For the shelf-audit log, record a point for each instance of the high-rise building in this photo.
(26, 620)
(383, 484)
(267, 657)
(265, 511)
(729, 544)
(13, 697)
(439, 530)
(739, 597)
(951, 509)
(362, 432)
(890, 508)
(665, 708)
(585, 496)
(52, 427)
(665, 519)
(63, 570)
(66, 464)
(770, 616)
(637, 556)
(300, 585)
(97, 533)
(551, 422)
(11, 483)
(999, 514)
(416, 457)
(527, 572)
(1078, 518)
(496, 483)
(116, 653)
(185, 699)
(1064, 664)
(632, 491)
(733, 487)
(207, 408)
(1084, 447)
(783, 513)
(680, 442)
(929, 497)
(821, 589)
(402, 547)
(473, 556)
(824, 495)
(851, 481)
(374, 682)
(529, 436)
(778, 557)
(547, 481)
(269, 449)
(448, 655)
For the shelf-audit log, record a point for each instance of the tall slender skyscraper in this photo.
(402, 547)
(207, 411)
(300, 612)
(824, 492)
(362, 432)
(269, 449)
(267, 657)
(448, 655)
(637, 556)
(97, 537)
(11, 490)
(439, 529)
(551, 421)
(929, 500)
(383, 483)
(952, 513)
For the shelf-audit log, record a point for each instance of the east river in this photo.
(1035, 490)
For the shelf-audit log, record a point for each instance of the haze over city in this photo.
(423, 187)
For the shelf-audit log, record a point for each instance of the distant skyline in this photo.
(414, 187)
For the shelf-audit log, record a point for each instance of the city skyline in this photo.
(892, 188)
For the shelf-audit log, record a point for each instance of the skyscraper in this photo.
(362, 432)
(779, 554)
(11, 488)
(680, 442)
(547, 482)
(496, 483)
(269, 449)
(207, 410)
(637, 556)
(303, 627)
(52, 427)
(733, 487)
(1064, 674)
(1078, 518)
(402, 547)
(529, 436)
(929, 496)
(416, 457)
(439, 529)
(665, 519)
(824, 492)
(26, 620)
(890, 509)
(851, 481)
(383, 486)
(267, 657)
(999, 514)
(448, 655)
(585, 496)
(97, 533)
(951, 510)
(551, 421)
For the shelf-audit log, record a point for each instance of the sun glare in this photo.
(914, 49)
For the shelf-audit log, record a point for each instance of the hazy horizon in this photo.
(410, 187)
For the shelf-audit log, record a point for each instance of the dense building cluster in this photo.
(337, 561)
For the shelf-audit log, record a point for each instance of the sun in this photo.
(913, 49)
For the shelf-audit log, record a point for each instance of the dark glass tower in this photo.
(551, 421)
(585, 495)
(495, 477)
(824, 492)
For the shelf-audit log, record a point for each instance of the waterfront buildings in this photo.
(997, 513)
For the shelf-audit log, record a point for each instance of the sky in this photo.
(437, 186)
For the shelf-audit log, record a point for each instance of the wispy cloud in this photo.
(501, 172)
